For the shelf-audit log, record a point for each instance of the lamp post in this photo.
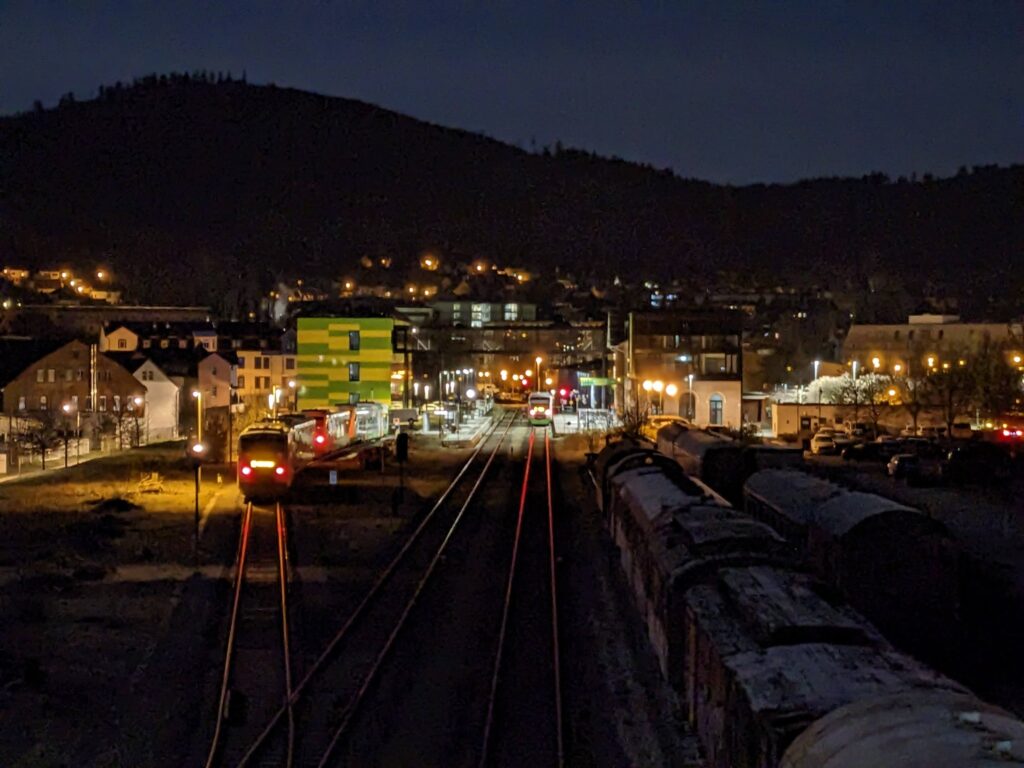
(67, 412)
(135, 404)
(659, 387)
(537, 360)
(672, 390)
(689, 397)
(818, 397)
(199, 414)
(295, 395)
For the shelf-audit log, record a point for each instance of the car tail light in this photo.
(279, 471)
(320, 439)
(247, 471)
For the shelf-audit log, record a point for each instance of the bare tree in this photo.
(874, 390)
(997, 382)
(951, 389)
(912, 396)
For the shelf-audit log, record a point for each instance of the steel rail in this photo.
(243, 549)
(352, 707)
(282, 561)
(554, 604)
(492, 697)
(328, 652)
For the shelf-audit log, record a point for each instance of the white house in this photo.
(163, 397)
(218, 374)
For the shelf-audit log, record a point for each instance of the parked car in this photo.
(822, 443)
(866, 452)
(902, 465)
(978, 463)
(961, 430)
(654, 423)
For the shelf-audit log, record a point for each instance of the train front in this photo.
(265, 467)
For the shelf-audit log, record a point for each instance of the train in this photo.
(271, 452)
(774, 668)
(896, 565)
(720, 461)
(266, 459)
(540, 408)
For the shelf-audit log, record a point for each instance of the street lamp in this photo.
(199, 415)
(295, 395)
(689, 397)
(659, 387)
(537, 360)
(136, 404)
(817, 363)
(67, 412)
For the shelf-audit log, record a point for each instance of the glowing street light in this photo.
(658, 385)
(648, 385)
(876, 362)
(548, 381)
(671, 390)
(897, 368)
(199, 414)
(471, 393)
(537, 360)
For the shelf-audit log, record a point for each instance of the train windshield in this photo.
(263, 441)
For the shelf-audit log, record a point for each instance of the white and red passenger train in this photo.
(271, 452)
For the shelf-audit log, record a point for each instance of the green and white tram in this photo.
(540, 408)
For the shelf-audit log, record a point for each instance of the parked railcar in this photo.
(672, 530)
(720, 461)
(266, 460)
(896, 565)
(768, 657)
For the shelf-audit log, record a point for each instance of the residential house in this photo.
(163, 402)
(682, 362)
(74, 380)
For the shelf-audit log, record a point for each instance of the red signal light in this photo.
(320, 439)
(279, 470)
(246, 471)
(562, 392)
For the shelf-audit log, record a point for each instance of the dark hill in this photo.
(204, 192)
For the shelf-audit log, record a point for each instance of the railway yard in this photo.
(523, 601)
(420, 629)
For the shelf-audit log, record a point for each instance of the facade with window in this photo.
(217, 378)
(345, 360)
(74, 375)
(162, 403)
(883, 347)
(693, 357)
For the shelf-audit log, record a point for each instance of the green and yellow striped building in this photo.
(344, 360)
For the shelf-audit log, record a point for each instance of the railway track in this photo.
(524, 708)
(257, 674)
(322, 705)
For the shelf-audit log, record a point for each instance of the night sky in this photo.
(726, 91)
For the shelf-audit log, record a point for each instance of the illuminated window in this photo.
(51, 375)
(42, 402)
(117, 403)
(21, 403)
(511, 312)
(241, 382)
(353, 371)
(103, 402)
(122, 343)
(40, 375)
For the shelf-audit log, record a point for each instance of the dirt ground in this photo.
(111, 633)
